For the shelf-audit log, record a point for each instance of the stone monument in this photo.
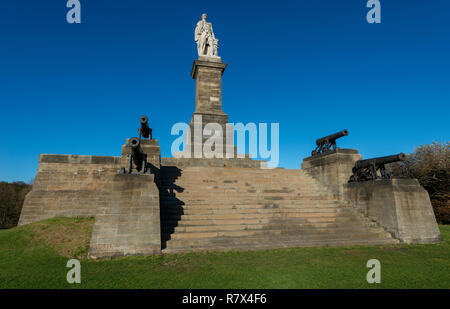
(207, 72)
(145, 204)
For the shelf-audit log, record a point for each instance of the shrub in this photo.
(12, 196)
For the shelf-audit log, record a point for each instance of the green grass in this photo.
(35, 256)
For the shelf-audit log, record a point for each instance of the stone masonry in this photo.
(401, 206)
(69, 186)
(332, 169)
(125, 207)
(207, 73)
(129, 223)
(226, 208)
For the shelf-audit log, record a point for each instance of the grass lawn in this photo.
(35, 256)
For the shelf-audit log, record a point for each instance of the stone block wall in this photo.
(332, 169)
(125, 206)
(69, 186)
(129, 224)
(401, 206)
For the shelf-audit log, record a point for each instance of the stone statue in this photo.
(207, 44)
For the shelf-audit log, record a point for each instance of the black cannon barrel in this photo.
(136, 150)
(331, 138)
(145, 129)
(380, 160)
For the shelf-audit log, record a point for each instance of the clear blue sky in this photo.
(315, 67)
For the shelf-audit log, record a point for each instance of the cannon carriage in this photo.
(371, 169)
(328, 143)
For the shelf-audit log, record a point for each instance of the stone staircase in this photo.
(223, 208)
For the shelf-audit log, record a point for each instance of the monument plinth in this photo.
(401, 206)
(332, 169)
(207, 72)
(208, 90)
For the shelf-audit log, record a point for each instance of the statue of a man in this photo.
(207, 44)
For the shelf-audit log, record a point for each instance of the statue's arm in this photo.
(212, 32)
(197, 32)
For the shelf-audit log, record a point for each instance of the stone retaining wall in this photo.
(69, 186)
(125, 206)
(401, 206)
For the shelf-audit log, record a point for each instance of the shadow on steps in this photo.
(171, 208)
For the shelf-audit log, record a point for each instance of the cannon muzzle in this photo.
(145, 129)
(136, 151)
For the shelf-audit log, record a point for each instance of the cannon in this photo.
(368, 169)
(137, 156)
(144, 130)
(328, 143)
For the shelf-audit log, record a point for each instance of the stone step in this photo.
(263, 245)
(245, 221)
(241, 178)
(300, 227)
(316, 204)
(226, 198)
(276, 215)
(315, 222)
(297, 233)
(230, 210)
(243, 183)
(240, 188)
(272, 238)
(231, 171)
(227, 208)
(176, 220)
(246, 194)
(246, 183)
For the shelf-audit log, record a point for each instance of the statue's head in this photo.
(204, 16)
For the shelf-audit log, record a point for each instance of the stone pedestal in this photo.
(150, 148)
(401, 206)
(128, 222)
(332, 169)
(207, 72)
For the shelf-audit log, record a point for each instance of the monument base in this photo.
(125, 207)
(129, 223)
(332, 169)
(401, 206)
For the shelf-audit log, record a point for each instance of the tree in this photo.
(12, 196)
(430, 165)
